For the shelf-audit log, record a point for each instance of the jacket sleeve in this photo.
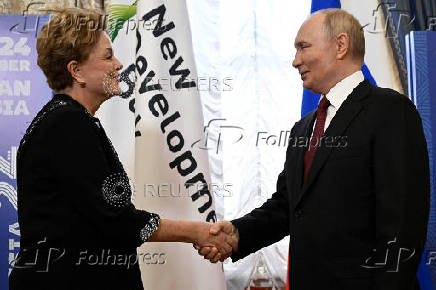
(267, 224)
(402, 193)
(101, 196)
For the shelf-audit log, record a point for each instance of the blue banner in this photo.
(23, 92)
(421, 59)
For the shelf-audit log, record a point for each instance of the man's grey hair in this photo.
(340, 21)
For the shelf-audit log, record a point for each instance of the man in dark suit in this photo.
(354, 191)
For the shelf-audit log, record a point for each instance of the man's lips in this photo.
(304, 74)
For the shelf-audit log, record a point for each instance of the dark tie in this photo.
(318, 132)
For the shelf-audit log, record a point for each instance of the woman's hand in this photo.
(216, 241)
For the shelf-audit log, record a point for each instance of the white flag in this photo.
(163, 112)
(117, 114)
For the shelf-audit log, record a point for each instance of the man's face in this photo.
(315, 58)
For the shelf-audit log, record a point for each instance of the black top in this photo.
(74, 206)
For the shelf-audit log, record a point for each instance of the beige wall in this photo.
(17, 7)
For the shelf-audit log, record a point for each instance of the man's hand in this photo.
(229, 233)
(219, 243)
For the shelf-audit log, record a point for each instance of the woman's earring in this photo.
(81, 84)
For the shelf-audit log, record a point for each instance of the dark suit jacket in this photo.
(360, 219)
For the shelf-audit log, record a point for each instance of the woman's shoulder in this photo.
(57, 116)
(62, 110)
(66, 114)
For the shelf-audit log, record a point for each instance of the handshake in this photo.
(216, 242)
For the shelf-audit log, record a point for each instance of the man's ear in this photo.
(342, 45)
(74, 69)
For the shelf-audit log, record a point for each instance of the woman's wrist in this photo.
(193, 232)
(181, 231)
(201, 230)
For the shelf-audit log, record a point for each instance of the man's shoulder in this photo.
(388, 97)
(388, 102)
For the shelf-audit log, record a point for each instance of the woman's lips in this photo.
(114, 75)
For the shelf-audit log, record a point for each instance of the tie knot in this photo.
(323, 104)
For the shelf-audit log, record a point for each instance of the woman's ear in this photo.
(74, 69)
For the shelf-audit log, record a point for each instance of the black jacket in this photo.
(366, 198)
(74, 206)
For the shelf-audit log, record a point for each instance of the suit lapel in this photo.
(346, 113)
(306, 132)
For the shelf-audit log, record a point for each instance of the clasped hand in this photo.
(218, 243)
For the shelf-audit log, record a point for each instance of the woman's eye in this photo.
(109, 56)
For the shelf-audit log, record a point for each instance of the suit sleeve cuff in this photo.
(243, 231)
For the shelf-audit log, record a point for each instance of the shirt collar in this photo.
(339, 93)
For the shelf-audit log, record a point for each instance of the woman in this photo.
(74, 198)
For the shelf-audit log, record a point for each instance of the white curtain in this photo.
(249, 45)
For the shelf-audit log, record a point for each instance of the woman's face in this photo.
(100, 70)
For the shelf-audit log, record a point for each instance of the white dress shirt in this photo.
(338, 94)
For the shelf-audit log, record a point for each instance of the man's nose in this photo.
(296, 62)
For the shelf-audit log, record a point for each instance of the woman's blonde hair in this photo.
(69, 35)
